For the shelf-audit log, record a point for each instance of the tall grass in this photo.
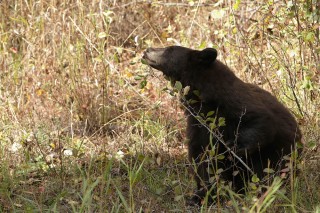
(86, 127)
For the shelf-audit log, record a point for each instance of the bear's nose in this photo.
(150, 50)
(145, 53)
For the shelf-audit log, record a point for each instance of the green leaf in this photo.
(219, 171)
(159, 191)
(178, 85)
(137, 78)
(199, 118)
(143, 84)
(255, 179)
(220, 157)
(236, 5)
(295, 154)
(212, 126)
(307, 84)
(175, 183)
(210, 113)
(191, 101)
(196, 92)
(212, 152)
(203, 45)
(141, 157)
(177, 190)
(144, 61)
(309, 37)
(253, 186)
(268, 170)
(211, 119)
(312, 145)
(222, 121)
(178, 198)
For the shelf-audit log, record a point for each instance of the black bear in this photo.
(248, 128)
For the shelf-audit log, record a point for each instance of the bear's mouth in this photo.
(147, 59)
(154, 64)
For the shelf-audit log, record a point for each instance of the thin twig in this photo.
(166, 4)
(220, 140)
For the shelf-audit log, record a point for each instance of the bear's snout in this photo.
(153, 52)
(153, 56)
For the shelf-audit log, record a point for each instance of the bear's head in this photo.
(176, 61)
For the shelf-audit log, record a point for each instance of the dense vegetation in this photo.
(86, 127)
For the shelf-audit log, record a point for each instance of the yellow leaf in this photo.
(52, 145)
(149, 85)
(128, 74)
(164, 35)
(234, 30)
(40, 92)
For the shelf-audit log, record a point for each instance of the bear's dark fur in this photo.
(258, 128)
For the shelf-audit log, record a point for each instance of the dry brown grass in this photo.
(74, 96)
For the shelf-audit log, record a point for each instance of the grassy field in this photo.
(86, 127)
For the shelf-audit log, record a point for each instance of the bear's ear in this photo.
(207, 56)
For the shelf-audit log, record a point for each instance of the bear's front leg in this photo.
(201, 175)
(198, 143)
